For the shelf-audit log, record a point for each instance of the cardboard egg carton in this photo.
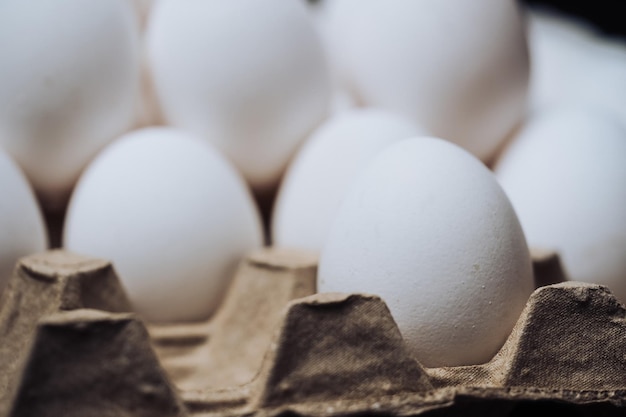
(69, 347)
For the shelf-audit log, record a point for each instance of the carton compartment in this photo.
(70, 346)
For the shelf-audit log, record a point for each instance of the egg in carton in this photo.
(71, 347)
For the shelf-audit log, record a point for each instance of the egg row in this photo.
(390, 209)
(252, 77)
(176, 218)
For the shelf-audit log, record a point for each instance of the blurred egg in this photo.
(22, 229)
(565, 174)
(68, 85)
(148, 107)
(171, 214)
(557, 42)
(323, 170)
(341, 100)
(459, 68)
(428, 228)
(143, 9)
(247, 75)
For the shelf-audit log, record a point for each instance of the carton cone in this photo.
(86, 363)
(63, 351)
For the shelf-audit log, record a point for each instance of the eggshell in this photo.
(557, 42)
(172, 215)
(323, 170)
(143, 8)
(341, 99)
(22, 229)
(458, 68)
(148, 111)
(69, 81)
(565, 174)
(427, 228)
(250, 76)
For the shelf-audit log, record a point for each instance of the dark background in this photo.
(607, 16)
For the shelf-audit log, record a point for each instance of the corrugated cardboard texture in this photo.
(275, 350)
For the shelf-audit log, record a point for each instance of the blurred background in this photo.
(606, 16)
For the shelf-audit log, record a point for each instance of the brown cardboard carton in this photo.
(68, 348)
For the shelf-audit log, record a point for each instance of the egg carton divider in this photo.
(295, 353)
(68, 345)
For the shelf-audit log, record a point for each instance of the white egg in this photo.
(22, 229)
(341, 99)
(565, 174)
(557, 42)
(148, 107)
(323, 170)
(143, 9)
(459, 68)
(172, 215)
(148, 111)
(248, 75)
(68, 85)
(427, 228)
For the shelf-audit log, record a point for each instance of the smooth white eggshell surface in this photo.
(428, 228)
(69, 81)
(459, 68)
(249, 76)
(323, 170)
(565, 174)
(22, 229)
(171, 214)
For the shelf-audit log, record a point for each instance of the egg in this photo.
(142, 8)
(148, 111)
(22, 228)
(557, 42)
(458, 68)
(323, 170)
(554, 43)
(250, 76)
(428, 229)
(565, 174)
(341, 99)
(69, 81)
(171, 214)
